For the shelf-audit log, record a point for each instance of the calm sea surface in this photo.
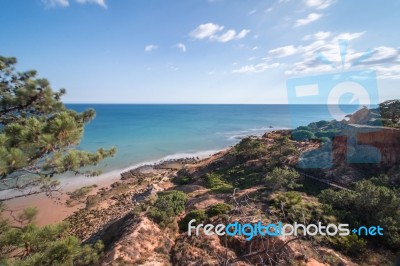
(150, 132)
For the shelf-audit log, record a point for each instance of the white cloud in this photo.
(54, 3)
(322, 35)
(256, 68)
(323, 54)
(181, 46)
(382, 54)
(282, 51)
(251, 12)
(255, 48)
(65, 3)
(172, 67)
(205, 30)
(210, 31)
(268, 10)
(150, 47)
(242, 34)
(319, 4)
(310, 18)
(226, 37)
(101, 3)
(349, 36)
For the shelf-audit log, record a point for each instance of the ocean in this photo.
(146, 133)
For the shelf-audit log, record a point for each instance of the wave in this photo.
(237, 135)
(115, 175)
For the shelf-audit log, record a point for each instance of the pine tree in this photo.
(24, 243)
(38, 139)
(38, 134)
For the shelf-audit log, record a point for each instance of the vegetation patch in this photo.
(48, 245)
(371, 203)
(351, 245)
(293, 206)
(198, 215)
(250, 148)
(218, 209)
(216, 184)
(78, 195)
(167, 206)
(282, 178)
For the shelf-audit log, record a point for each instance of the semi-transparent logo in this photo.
(337, 94)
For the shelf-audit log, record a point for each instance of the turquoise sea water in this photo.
(148, 132)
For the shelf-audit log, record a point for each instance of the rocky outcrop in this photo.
(144, 243)
(150, 190)
(360, 117)
(367, 144)
(201, 250)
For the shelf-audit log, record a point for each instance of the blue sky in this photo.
(196, 51)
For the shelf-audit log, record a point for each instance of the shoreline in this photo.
(53, 210)
(73, 182)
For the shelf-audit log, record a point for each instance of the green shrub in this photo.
(198, 215)
(167, 206)
(216, 184)
(325, 140)
(282, 178)
(242, 176)
(351, 245)
(322, 123)
(279, 151)
(294, 208)
(302, 135)
(184, 180)
(371, 203)
(390, 112)
(250, 148)
(28, 244)
(328, 134)
(303, 128)
(288, 199)
(218, 209)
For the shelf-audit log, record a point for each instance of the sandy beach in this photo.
(54, 210)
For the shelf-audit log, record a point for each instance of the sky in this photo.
(199, 51)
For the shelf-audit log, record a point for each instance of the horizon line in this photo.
(208, 103)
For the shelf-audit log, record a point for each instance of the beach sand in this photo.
(54, 210)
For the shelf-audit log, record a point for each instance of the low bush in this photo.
(328, 134)
(250, 148)
(351, 244)
(184, 180)
(198, 215)
(304, 128)
(218, 209)
(302, 135)
(167, 206)
(217, 184)
(282, 178)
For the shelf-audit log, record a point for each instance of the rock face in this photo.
(360, 117)
(151, 190)
(201, 250)
(367, 144)
(144, 243)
